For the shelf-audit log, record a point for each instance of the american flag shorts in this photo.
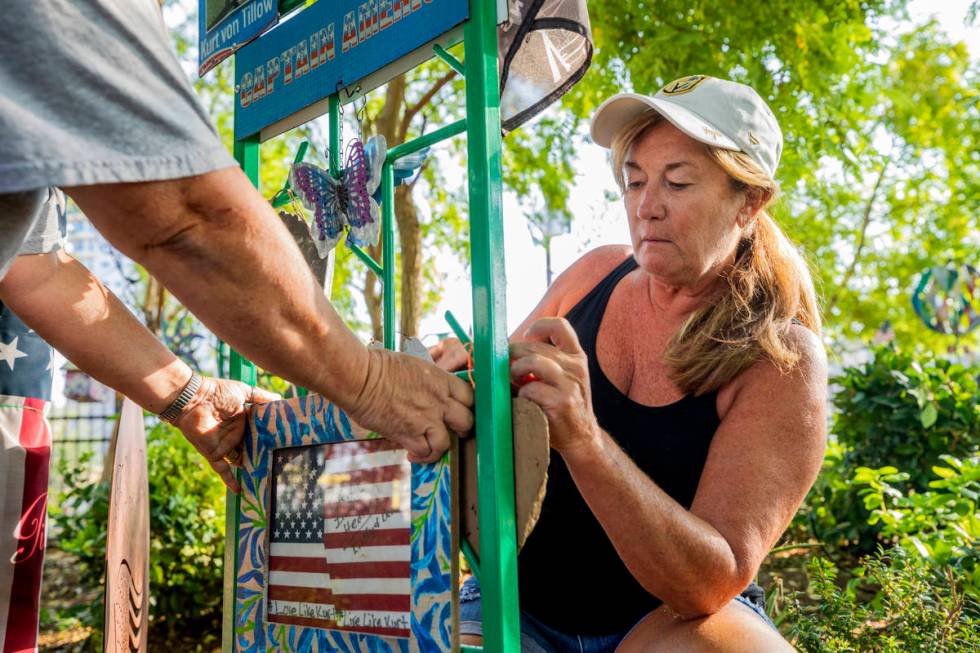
(24, 458)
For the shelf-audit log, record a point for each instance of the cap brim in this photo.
(616, 112)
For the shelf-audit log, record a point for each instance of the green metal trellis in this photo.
(498, 540)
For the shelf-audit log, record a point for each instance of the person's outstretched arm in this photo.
(68, 307)
(216, 243)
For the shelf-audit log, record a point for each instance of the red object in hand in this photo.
(527, 378)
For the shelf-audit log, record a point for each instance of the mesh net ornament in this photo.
(545, 48)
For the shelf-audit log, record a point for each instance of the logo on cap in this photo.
(683, 85)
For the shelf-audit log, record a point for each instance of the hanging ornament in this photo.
(344, 202)
(947, 299)
(351, 202)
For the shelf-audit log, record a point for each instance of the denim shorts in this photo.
(537, 637)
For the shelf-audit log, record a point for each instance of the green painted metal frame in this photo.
(497, 568)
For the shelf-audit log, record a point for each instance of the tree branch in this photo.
(412, 111)
(861, 237)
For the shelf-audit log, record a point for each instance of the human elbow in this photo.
(706, 596)
(698, 604)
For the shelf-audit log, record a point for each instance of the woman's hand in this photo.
(560, 381)
(214, 422)
(449, 354)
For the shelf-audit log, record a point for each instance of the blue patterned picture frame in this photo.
(433, 571)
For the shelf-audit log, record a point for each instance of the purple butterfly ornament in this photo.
(344, 202)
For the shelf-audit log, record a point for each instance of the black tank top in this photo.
(571, 577)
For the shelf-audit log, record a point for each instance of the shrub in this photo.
(915, 609)
(896, 410)
(187, 512)
(941, 524)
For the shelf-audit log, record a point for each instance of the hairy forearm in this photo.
(220, 248)
(673, 554)
(67, 306)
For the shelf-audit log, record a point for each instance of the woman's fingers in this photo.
(557, 331)
(544, 368)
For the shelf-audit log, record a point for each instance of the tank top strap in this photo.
(586, 315)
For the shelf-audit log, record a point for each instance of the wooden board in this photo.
(532, 452)
(128, 538)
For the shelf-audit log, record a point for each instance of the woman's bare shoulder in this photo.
(806, 380)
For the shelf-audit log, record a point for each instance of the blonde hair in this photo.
(769, 286)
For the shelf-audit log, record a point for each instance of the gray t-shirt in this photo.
(49, 229)
(91, 93)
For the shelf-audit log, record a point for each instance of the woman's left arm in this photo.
(763, 459)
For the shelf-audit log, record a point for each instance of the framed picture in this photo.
(343, 545)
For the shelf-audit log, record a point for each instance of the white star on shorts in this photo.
(9, 352)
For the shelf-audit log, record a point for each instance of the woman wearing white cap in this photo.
(684, 383)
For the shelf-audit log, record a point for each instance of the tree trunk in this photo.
(410, 236)
(373, 296)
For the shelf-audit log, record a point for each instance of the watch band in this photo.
(172, 412)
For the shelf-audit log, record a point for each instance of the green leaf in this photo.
(929, 414)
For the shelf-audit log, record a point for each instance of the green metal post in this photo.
(495, 455)
(388, 252)
(333, 114)
(240, 369)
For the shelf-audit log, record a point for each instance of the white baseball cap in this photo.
(715, 111)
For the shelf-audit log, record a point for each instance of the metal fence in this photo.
(78, 428)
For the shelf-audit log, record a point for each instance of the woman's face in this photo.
(684, 214)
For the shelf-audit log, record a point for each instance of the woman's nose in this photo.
(650, 205)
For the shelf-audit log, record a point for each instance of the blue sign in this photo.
(226, 25)
(329, 46)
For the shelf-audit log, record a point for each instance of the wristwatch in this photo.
(172, 412)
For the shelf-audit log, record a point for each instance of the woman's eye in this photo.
(634, 184)
(676, 185)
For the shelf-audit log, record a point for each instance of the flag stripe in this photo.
(342, 556)
(308, 565)
(340, 585)
(359, 447)
(360, 539)
(22, 621)
(363, 461)
(354, 493)
(383, 474)
(301, 594)
(372, 507)
(400, 519)
(323, 623)
(393, 569)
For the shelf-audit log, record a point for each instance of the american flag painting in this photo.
(340, 555)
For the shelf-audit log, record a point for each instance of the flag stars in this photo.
(9, 352)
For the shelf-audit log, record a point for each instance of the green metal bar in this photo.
(416, 144)
(456, 327)
(388, 252)
(495, 445)
(241, 369)
(333, 111)
(282, 198)
(471, 649)
(452, 61)
(366, 259)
